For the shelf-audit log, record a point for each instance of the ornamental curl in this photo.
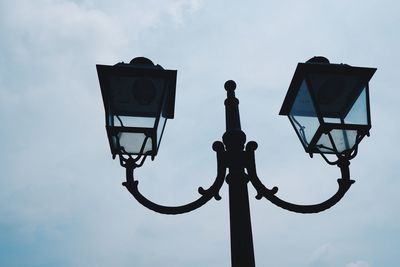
(344, 184)
(206, 194)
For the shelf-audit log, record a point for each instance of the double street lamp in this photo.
(327, 105)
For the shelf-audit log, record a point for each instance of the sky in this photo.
(61, 198)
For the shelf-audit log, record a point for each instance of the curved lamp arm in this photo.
(206, 194)
(344, 184)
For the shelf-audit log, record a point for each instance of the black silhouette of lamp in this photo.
(138, 99)
(327, 104)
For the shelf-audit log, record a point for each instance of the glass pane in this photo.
(160, 129)
(110, 119)
(125, 121)
(303, 115)
(332, 120)
(131, 142)
(344, 140)
(135, 96)
(324, 144)
(358, 113)
(305, 127)
(161, 124)
(303, 105)
(335, 94)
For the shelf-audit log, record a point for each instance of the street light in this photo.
(327, 104)
(138, 99)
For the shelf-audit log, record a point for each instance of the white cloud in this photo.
(322, 255)
(59, 185)
(358, 263)
(179, 8)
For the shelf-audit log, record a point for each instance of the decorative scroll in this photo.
(206, 194)
(262, 191)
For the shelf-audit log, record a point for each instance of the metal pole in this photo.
(242, 252)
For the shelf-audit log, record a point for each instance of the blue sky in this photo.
(61, 199)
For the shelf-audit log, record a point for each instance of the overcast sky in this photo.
(61, 199)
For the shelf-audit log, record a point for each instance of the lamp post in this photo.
(327, 104)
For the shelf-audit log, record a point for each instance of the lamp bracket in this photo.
(206, 194)
(344, 184)
(346, 156)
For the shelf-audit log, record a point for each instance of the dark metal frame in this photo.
(234, 155)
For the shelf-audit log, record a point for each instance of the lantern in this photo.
(328, 105)
(138, 99)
